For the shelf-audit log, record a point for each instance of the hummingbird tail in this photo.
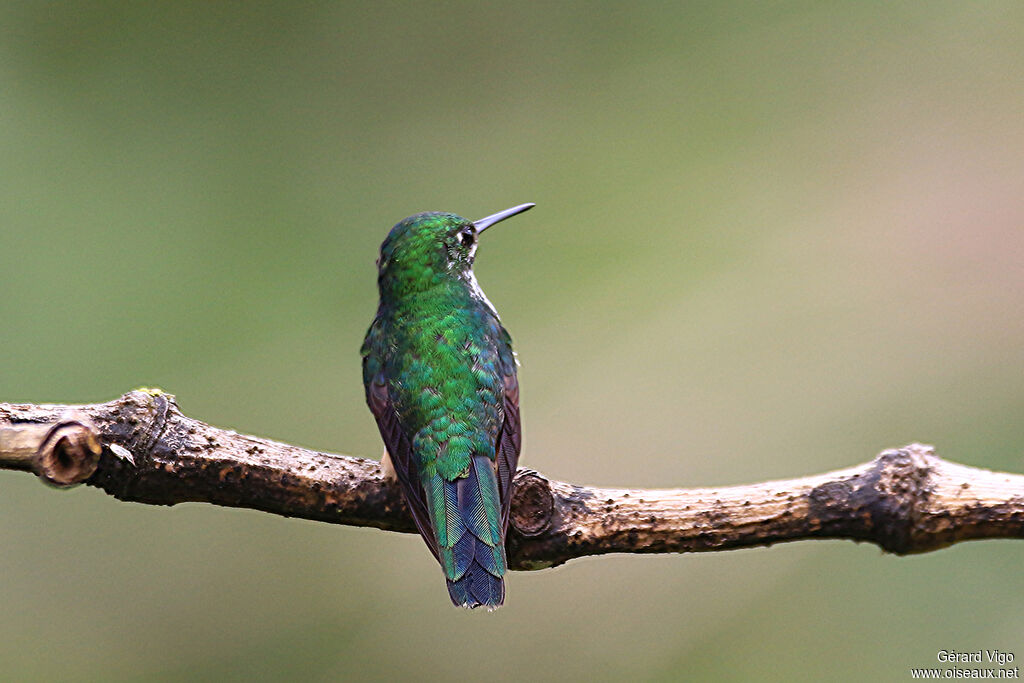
(477, 588)
(466, 519)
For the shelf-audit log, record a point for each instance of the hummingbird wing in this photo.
(510, 439)
(400, 452)
(396, 441)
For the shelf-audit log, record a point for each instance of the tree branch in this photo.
(141, 448)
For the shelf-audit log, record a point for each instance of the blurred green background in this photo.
(771, 240)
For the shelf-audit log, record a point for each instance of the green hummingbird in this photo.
(440, 378)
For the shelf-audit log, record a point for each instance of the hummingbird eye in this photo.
(467, 237)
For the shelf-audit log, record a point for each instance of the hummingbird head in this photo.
(427, 249)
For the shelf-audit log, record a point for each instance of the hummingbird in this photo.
(440, 379)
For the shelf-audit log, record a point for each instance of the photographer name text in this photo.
(977, 656)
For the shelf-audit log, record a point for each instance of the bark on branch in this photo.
(141, 448)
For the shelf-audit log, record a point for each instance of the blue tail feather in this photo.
(464, 551)
(477, 588)
(471, 546)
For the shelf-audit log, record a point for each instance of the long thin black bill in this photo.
(485, 223)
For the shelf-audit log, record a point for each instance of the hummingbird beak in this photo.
(485, 223)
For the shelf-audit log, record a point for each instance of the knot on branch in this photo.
(62, 453)
(532, 503)
(881, 504)
(69, 453)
